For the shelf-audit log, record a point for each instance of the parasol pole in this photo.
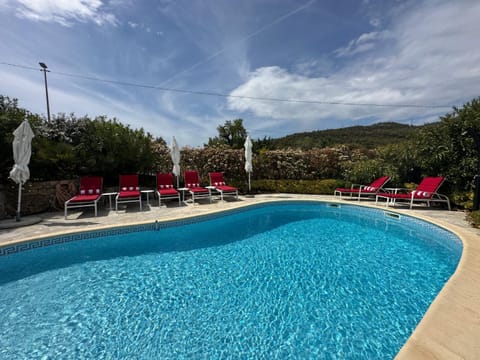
(17, 217)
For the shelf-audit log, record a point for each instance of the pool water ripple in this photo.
(291, 281)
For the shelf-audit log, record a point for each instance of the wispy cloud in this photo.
(402, 52)
(363, 43)
(429, 59)
(65, 13)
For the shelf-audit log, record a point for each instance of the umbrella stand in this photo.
(17, 216)
(249, 195)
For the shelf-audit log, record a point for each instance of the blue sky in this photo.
(330, 55)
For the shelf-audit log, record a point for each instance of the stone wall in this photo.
(37, 197)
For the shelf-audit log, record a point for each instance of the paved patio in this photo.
(449, 330)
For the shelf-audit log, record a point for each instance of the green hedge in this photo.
(318, 187)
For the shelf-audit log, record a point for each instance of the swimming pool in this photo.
(273, 281)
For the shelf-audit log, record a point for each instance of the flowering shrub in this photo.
(268, 164)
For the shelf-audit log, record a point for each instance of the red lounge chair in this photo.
(89, 193)
(367, 190)
(165, 189)
(425, 192)
(129, 191)
(217, 181)
(192, 183)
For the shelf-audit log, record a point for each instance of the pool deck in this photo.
(449, 330)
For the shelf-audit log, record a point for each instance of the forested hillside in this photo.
(369, 137)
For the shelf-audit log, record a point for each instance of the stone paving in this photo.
(82, 219)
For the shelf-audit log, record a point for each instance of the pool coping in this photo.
(450, 328)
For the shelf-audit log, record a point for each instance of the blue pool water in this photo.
(298, 280)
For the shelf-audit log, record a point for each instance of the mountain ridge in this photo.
(364, 136)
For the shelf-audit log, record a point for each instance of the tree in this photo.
(447, 147)
(232, 134)
(67, 147)
(267, 143)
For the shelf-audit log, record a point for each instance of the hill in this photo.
(369, 137)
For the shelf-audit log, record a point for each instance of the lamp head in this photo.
(42, 65)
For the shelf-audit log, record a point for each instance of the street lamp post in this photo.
(44, 69)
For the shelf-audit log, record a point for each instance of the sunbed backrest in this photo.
(90, 185)
(164, 181)
(378, 183)
(430, 184)
(216, 178)
(129, 182)
(191, 177)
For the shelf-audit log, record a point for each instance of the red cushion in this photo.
(216, 178)
(422, 194)
(167, 192)
(80, 198)
(346, 190)
(198, 190)
(162, 186)
(418, 195)
(226, 188)
(368, 189)
(126, 194)
(90, 182)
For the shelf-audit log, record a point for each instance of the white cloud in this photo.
(65, 12)
(429, 59)
(363, 43)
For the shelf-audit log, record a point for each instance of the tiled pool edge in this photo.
(65, 237)
(450, 328)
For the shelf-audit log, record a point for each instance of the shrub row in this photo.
(271, 165)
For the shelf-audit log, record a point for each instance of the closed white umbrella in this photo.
(248, 158)
(175, 155)
(22, 150)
